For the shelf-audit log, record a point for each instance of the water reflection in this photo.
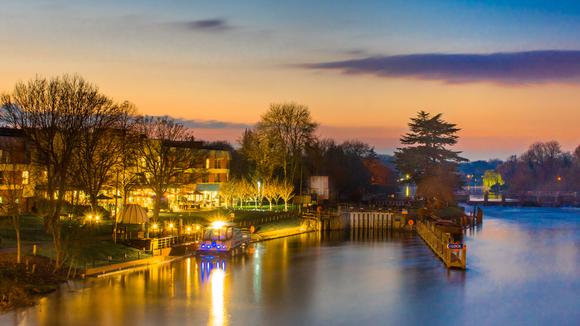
(518, 269)
(216, 274)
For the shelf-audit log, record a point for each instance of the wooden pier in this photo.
(440, 243)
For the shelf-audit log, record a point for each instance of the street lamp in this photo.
(259, 192)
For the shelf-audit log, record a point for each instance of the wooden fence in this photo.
(440, 243)
(269, 218)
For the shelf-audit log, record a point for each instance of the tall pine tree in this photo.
(426, 159)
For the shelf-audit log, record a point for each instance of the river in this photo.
(523, 268)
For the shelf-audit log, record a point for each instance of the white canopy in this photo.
(133, 214)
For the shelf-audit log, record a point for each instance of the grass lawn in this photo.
(87, 245)
(207, 216)
(31, 231)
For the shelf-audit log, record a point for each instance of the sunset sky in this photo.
(507, 72)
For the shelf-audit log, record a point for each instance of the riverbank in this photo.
(280, 229)
(21, 285)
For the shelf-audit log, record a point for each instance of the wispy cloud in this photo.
(506, 67)
(208, 25)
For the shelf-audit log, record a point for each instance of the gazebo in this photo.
(133, 214)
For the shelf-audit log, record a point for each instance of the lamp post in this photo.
(259, 192)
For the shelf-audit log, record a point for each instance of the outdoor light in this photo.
(188, 229)
(155, 226)
(171, 225)
(218, 224)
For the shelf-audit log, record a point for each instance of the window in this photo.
(207, 163)
(218, 164)
(25, 177)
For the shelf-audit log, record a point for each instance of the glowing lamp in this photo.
(218, 224)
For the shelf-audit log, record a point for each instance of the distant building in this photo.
(193, 188)
(319, 186)
(17, 182)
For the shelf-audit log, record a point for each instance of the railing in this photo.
(255, 221)
(439, 242)
(162, 243)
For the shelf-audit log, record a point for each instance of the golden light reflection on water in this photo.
(338, 278)
(218, 310)
(214, 273)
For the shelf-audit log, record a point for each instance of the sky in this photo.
(506, 72)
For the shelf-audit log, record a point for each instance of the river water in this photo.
(523, 268)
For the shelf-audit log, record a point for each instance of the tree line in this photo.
(84, 140)
(283, 149)
(543, 167)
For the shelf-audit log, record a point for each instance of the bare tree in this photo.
(13, 180)
(263, 151)
(227, 192)
(239, 191)
(102, 145)
(270, 192)
(290, 127)
(286, 192)
(54, 113)
(169, 156)
(127, 177)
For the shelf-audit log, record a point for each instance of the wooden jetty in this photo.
(454, 255)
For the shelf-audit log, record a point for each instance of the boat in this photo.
(223, 239)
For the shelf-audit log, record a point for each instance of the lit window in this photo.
(207, 163)
(25, 177)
